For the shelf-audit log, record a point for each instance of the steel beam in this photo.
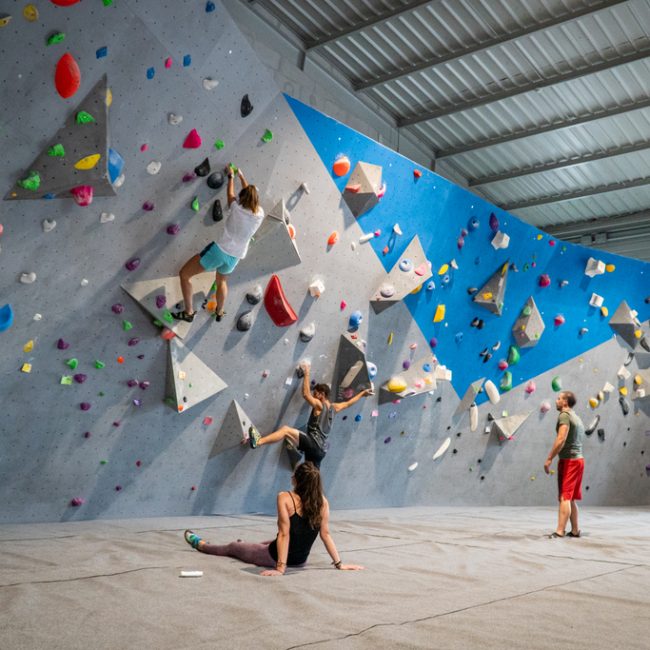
(577, 229)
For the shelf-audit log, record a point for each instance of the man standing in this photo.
(568, 446)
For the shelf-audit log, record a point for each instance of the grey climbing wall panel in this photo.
(233, 430)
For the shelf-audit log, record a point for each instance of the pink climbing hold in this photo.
(531, 387)
(62, 345)
(173, 229)
(80, 378)
(132, 383)
(161, 301)
(117, 308)
(144, 384)
(460, 242)
(503, 364)
(494, 222)
(422, 269)
(343, 305)
(544, 280)
(132, 264)
(559, 320)
(144, 147)
(417, 173)
(87, 434)
(85, 406)
(148, 206)
(134, 341)
(83, 195)
(77, 501)
(193, 140)
(168, 62)
(188, 177)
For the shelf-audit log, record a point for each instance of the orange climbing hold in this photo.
(67, 77)
(167, 334)
(120, 359)
(333, 238)
(341, 166)
(277, 305)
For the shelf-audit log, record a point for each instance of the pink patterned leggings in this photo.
(249, 552)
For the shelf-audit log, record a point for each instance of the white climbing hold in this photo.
(473, 417)
(210, 84)
(596, 300)
(454, 264)
(307, 333)
(48, 225)
(37, 317)
(119, 181)
(500, 240)
(106, 217)
(412, 467)
(304, 187)
(545, 406)
(492, 391)
(154, 167)
(28, 278)
(366, 238)
(594, 267)
(353, 246)
(174, 119)
(84, 282)
(442, 449)
(623, 373)
(608, 388)
(316, 288)
(397, 230)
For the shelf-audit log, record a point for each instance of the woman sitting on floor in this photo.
(303, 513)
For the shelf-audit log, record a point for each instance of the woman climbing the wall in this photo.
(222, 256)
(303, 514)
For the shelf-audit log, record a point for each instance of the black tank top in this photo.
(301, 538)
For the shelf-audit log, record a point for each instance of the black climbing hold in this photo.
(255, 295)
(245, 321)
(482, 478)
(440, 400)
(513, 268)
(490, 417)
(246, 107)
(601, 434)
(479, 461)
(481, 324)
(458, 434)
(625, 406)
(474, 322)
(487, 357)
(215, 180)
(630, 358)
(592, 426)
(472, 290)
(454, 451)
(217, 211)
(644, 344)
(203, 169)
(483, 352)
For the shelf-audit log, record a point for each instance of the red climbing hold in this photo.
(193, 140)
(277, 305)
(417, 173)
(64, 3)
(67, 77)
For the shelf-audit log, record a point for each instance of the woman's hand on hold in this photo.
(271, 573)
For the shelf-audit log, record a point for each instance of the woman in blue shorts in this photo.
(246, 216)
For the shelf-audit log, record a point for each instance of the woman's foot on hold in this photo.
(253, 437)
(193, 539)
(183, 315)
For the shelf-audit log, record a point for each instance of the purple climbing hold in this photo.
(148, 206)
(161, 301)
(62, 345)
(137, 402)
(87, 434)
(494, 222)
(187, 60)
(433, 342)
(134, 341)
(188, 177)
(406, 364)
(80, 378)
(145, 384)
(117, 308)
(77, 501)
(151, 73)
(118, 488)
(85, 406)
(132, 383)
(173, 229)
(460, 242)
(387, 440)
(132, 264)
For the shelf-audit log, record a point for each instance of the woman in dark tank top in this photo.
(303, 514)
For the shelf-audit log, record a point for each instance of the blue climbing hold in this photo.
(49, 195)
(473, 224)
(6, 317)
(358, 417)
(209, 7)
(431, 286)
(458, 337)
(151, 73)
(187, 60)
(355, 320)
(426, 367)
(372, 369)
(102, 52)
(115, 164)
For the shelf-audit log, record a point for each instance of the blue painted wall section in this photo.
(437, 210)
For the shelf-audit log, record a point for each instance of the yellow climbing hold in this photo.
(396, 385)
(610, 268)
(88, 162)
(440, 314)
(417, 289)
(638, 380)
(5, 20)
(604, 311)
(443, 269)
(623, 390)
(30, 12)
(593, 402)
(539, 237)
(29, 346)
(487, 295)
(26, 367)
(390, 339)
(109, 97)
(638, 333)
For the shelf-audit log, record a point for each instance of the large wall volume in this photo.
(132, 451)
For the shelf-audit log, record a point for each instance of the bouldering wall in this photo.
(111, 410)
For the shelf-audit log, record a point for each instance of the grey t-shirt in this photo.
(573, 443)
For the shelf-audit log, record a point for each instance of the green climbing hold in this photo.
(126, 325)
(55, 38)
(103, 462)
(72, 363)
(195, 204)
(219, 144)
(233, 169)
(32, 182)
(167, 316)
(527, 310)
(66, 380)
(107, 3)
(99, 365)
(513, 355)
(101, 393)
(83, 117)
(158, 323)
(556, 383)
(268, 136)
(506, 381)
(56, 151)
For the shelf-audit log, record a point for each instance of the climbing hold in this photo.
(406, 364)
(372, 369)
(28, 278)
(154, 167)
(531, 387)
(316, 288)
(117, 308)
(513, 355)
(506, 381)
(84, 117)
(267, 136)
(610, 268)
(132, 264)
(151, 73)
(209, 7)
(173, 229)
(82, 195)
(245, 321)
(48, 225)
(56, 37)
(500, 240)
(494, 222)
(85, 406)
(386, 290)
(67, 77)
(604, 311)
(101, 52)
(56, 151)
(544, 280)
(396, 384)
(87, 162)
(583, 331)
(405, 265)
(277, 305)
(596, 300)
(245, 108)
(502, 365)
(187, 60)
(168, 62)
(491, 391)
(356, 317)
(625, 406)
(30, 13)
(195, 205)
(7, 320)
(215, 180)
(458, 337)
(80, 378)
(219, 144)
(210, 84)
(559, 320)
(594, 267)
(593, 402)
(203, 169)
(115, 167)
(545, 406)
(439, 316)
(255, 295)
(341, 166)
(134, 341)
(556, 383)
(192, 140)
(333, 238)
(31, 182)
(174, 119)
(307, 333)
(148, 206)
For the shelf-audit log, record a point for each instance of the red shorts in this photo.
(569, 478)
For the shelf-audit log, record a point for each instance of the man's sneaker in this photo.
(253, 436)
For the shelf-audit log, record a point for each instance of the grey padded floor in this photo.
(435, 578)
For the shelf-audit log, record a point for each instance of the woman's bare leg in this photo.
(191, 268)
(222, 293)
(249, 552)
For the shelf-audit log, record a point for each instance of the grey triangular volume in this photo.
(492, 294)
(58, 174)
(233, 430)
(625, 324)
(280, 212)
(469, 397)
(508, 426)
(273, 241)
(192, 381)
(363, 186)
(410, 271)
(529, 326)
(350, 370)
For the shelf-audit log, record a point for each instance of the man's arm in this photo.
(560, 439)
(340, 406)
(306, 386)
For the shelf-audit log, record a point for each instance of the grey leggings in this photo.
(249, 552)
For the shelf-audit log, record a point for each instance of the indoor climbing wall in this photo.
(119, 118)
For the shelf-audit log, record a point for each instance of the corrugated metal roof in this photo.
(503, 88)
